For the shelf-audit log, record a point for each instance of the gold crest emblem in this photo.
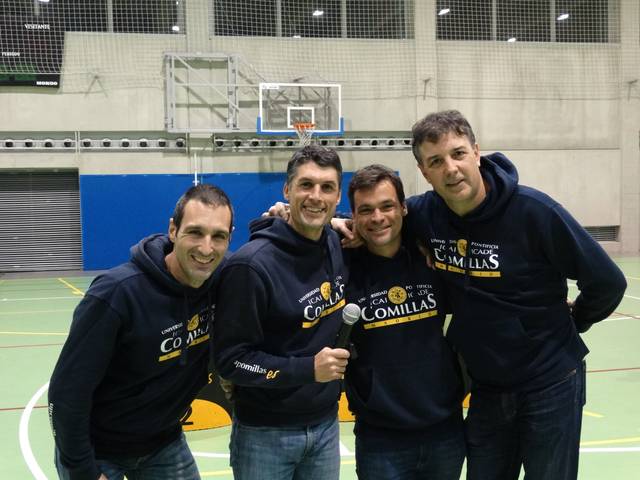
(193, 323)
(462, 247)
(397, 295)
(325, 290)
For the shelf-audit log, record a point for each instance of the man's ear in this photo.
(476, 153)
(404, 209)
(285, 191)
(172, 231)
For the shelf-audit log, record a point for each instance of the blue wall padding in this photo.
(119, 210)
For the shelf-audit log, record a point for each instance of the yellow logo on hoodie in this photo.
(325, 290)
(193, 323)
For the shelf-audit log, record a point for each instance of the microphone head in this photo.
(350, 313)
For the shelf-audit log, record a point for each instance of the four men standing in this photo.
(502, 253)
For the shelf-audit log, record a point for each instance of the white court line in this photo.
(23, 434)
(210, 455)
(344, 451)
(574, 285)
(36, 298)
(610, 450)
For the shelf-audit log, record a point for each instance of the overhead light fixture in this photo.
(143, 142)
(162, 142)
(48, 143)
(175, 28)
(86, 142)
(318, 13)
(444, 11)
(562, 16)
(43, 1)
(67, 142)
(124, 142)
(180, 143)
(297, 36)
(28, 142)
(106, 142)
(8, 143)
(512, 39)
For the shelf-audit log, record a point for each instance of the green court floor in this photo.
(35, 314)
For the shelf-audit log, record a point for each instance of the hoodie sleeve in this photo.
(579, 257)
(80, 368)
(238, 336)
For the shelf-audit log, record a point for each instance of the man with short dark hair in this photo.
(137, 352)
(404, 386)
(284, 291)
(505, 252)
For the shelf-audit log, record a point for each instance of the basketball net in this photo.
(305, 132)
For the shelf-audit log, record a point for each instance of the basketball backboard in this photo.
(282, 105)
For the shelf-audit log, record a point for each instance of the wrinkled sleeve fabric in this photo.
(579, 257)
(238, 343)
(81, 367)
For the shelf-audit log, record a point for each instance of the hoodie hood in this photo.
(149, 254)
(283, 235)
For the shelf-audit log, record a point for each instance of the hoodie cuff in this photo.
(303, 370)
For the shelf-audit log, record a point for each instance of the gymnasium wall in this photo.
(582, 149)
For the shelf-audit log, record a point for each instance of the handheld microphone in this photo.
(350, 315)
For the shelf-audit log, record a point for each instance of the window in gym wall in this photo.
(380, 19)
(311, 18)
(463, 19)
(149, 16)
(389, 19)
(246, 18)
(583, 21)
(524, 20)
(589, 21)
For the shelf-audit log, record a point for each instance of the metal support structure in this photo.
(204, 94)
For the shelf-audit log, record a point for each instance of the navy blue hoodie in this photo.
(506, 266)
(283, 299)
(404, 385)
(124, 378)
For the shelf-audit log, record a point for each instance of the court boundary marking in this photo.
(38, 474)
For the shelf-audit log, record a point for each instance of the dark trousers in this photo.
(537, 430)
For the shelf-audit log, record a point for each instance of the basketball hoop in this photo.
(305, 132)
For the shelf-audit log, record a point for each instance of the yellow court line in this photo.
(35, 333)
(611, 442)
(35, 311)
(217, 473)
(75, 290)
(592, 414)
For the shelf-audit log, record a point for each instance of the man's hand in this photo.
(227, 387)
(279, 209)
(102, 477)
(330, 363)
(427, 255)
(351, 237)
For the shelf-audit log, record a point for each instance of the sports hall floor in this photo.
(35, 313)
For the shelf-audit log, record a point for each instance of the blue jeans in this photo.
(173, 462)
(285, 453)
(438, 458)
(538, 430)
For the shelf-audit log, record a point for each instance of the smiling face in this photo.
(313, 194)
(200, 243)
(377, 215)
(452, 167)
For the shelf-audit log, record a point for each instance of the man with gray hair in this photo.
(505, 252)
